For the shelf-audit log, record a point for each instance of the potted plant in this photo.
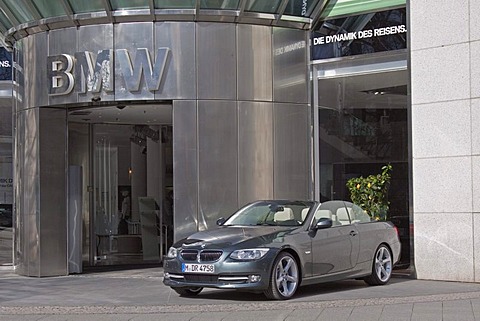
(371, 193)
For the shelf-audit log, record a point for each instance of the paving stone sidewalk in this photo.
(138, 294)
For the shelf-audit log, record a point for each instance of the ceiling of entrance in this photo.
(387, 90)
(129, 114)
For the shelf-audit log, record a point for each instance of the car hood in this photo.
(231, 236)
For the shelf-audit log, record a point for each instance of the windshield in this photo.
(281, 213)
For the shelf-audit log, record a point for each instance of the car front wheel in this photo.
(382, 267)
(188, 291)
(284, 278)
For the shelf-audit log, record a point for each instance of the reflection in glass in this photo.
(219, 4)
(129, 4)
(86, 6)
(300, 8)
(174, 4)
(4, 21)
(49, 8)
(19, 10)
(262, 6)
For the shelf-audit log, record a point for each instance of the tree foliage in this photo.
(371, 192)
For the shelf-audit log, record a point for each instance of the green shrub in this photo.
(371, 193)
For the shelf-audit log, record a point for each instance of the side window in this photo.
(343, 216)
(358, 214)
(335, 210)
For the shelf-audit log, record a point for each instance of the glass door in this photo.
(131, 217)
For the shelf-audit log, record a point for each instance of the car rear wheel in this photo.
(188, 291)
(284, 278)
(382, 267)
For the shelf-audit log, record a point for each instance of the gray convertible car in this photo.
(275, 246)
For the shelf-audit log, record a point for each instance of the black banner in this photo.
(362, 34)
(5, 64)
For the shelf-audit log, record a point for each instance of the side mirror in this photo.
(220, 221)
(324, 223)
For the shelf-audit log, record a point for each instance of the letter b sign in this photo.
(59, 69)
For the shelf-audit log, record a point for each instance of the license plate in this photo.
(198, 268)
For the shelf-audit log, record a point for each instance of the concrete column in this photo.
(445, 95)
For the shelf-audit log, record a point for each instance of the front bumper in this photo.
(228, 274)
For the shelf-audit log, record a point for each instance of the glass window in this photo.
(362, 127)
(357, 214)
(129, 4)
(300, 8)
(86, 6)
(348, 7)
(219, 4)
(336, 211)
(263, 6)
(271, 213)
(174, 4)
(49, 9)
(19, 10)
(4, 21)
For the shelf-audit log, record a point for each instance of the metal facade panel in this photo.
(291, 145)
(27, 193)
(179, 82)
(290, 66)
(19, 75)
(255, 151)
(131, 36)
(218, 161)
(254, 52)
(216, 61)
(93, 39)
(185, 174)
(35, 70)
(53, 195)
(62, 41)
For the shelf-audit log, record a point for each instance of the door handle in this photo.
(353, 233)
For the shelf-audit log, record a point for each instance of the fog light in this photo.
(254, 278)
(166, 275)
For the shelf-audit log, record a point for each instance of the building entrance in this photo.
(363, 126)
(127, 182)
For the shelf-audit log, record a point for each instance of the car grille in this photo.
(205, 256)
(189, 255)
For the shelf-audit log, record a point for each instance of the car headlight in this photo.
(172, 253)
(249, 254)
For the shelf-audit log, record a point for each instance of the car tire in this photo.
(188, 292)
(381, 268)
(284, 278)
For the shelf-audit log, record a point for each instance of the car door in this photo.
(334, 249)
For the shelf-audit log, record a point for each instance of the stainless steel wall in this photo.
(185, 167)
(255, 151)
(40, 171)
(217, 160)
(240, 119)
